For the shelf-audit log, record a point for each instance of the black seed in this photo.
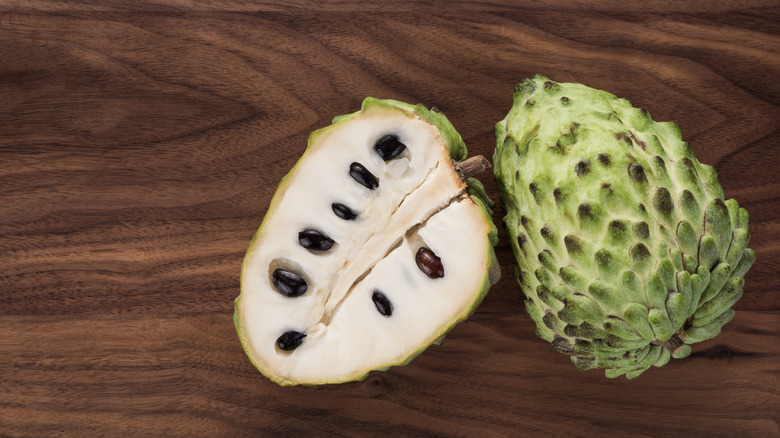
(660, 162)
(289, 283)
(582, 168)
(546, 232)
(435, 110)
(382, 304)
(533, 188)
(389, 147)
(642, 208)
(530, 103)
(637, 172)
(662, 201)
(550, 85)
(314, 240)
(525, 221)
(641, 230)
(290, 340)
(343, 211)
(604, 158)
(363, 176)
(565, 100)
(429, 263)
(570, 330)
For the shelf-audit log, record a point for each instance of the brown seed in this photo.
(429, 263)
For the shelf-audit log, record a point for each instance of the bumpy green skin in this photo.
(626, 249)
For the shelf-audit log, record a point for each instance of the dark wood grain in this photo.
(140, 146)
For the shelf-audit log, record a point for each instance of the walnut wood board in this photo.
(140, 146)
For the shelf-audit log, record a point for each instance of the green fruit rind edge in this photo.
(622, 237)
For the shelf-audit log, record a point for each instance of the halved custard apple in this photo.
(374, 246)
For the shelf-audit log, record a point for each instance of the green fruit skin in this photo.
(613, 212)
(476, 192)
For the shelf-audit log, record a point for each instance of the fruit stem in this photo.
(673, 344)
(472, 166)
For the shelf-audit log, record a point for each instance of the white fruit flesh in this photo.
(420, 202)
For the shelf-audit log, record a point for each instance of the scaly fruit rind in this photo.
(613, 212)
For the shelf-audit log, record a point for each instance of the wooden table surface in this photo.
(140, 145)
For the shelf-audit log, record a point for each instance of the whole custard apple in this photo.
(627, 251)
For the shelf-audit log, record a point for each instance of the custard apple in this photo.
(627, 252)
(375, 245)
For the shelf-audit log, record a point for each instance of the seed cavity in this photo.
(288, 283)
(343, 211)
(389, 147)
(382, 304)
(363, 176)
(604, 158)
(290, 340)
(429, 263)
(314, 240)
